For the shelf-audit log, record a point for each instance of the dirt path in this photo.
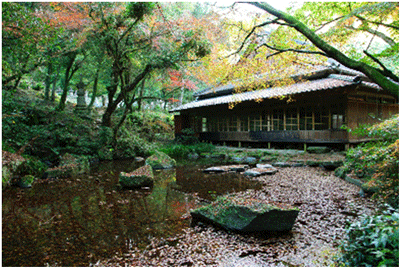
(325, 202)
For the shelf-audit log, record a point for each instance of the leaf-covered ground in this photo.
(325, 202)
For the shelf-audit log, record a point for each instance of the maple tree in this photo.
(137, 40)
(24, 38)
(271, 46)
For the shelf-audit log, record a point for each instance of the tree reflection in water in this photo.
(77, 221)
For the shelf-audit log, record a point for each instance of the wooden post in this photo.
(347, 146)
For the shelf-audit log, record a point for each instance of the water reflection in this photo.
(74, 222)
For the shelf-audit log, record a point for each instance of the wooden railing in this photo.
(309, 136)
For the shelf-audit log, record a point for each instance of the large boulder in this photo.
(70, 166)
(141, 177)
(10, 164)
(246, 215)
(26, 181)
(160, 160)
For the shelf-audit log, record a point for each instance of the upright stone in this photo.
(81, 103)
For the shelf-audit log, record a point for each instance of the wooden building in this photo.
(310, 111)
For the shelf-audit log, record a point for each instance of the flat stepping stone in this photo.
(221, 169)
(256, 172)
(281, 164)
(264, 166)
(215, 170)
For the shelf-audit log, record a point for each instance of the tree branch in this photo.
(331, 51)
(281, 50)
(250, 33)
(381, 35)
(377, 23)
(385, 71)
(328, 22)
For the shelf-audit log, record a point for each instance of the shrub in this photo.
(187, 137)
(377, 162)
(182, 151)
(31, 167)
(372, 241)
(130, 144)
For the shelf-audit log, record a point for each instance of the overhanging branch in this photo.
(370, 71)
(385, 70)
(283, 50)
(275, 21)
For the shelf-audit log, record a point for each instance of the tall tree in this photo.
(138, 40)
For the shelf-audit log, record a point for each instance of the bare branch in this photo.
(328, 22)
(381, 35)
(378, 23)
(281, 50)
(275, 21)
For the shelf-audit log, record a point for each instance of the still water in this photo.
(77, 221)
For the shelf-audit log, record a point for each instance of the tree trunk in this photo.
(113, 104)
(53, 90)
(94, 92)
(48, 80)
(373, 73)
(67, 77)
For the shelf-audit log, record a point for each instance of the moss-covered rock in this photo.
(246, 215)
(26, 181)
(70, 166)
(331, 165)
(160, 160)
(340, 172)
(10, 164)
(141, 177)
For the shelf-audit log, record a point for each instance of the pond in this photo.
(77, 221)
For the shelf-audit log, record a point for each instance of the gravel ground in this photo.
(325, 202)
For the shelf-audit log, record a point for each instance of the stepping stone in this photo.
(264, 166)
(215, 169)
(221, 169)
(281, 164)
(255, 172)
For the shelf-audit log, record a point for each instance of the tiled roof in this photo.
(228, 88)
(330, 82)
